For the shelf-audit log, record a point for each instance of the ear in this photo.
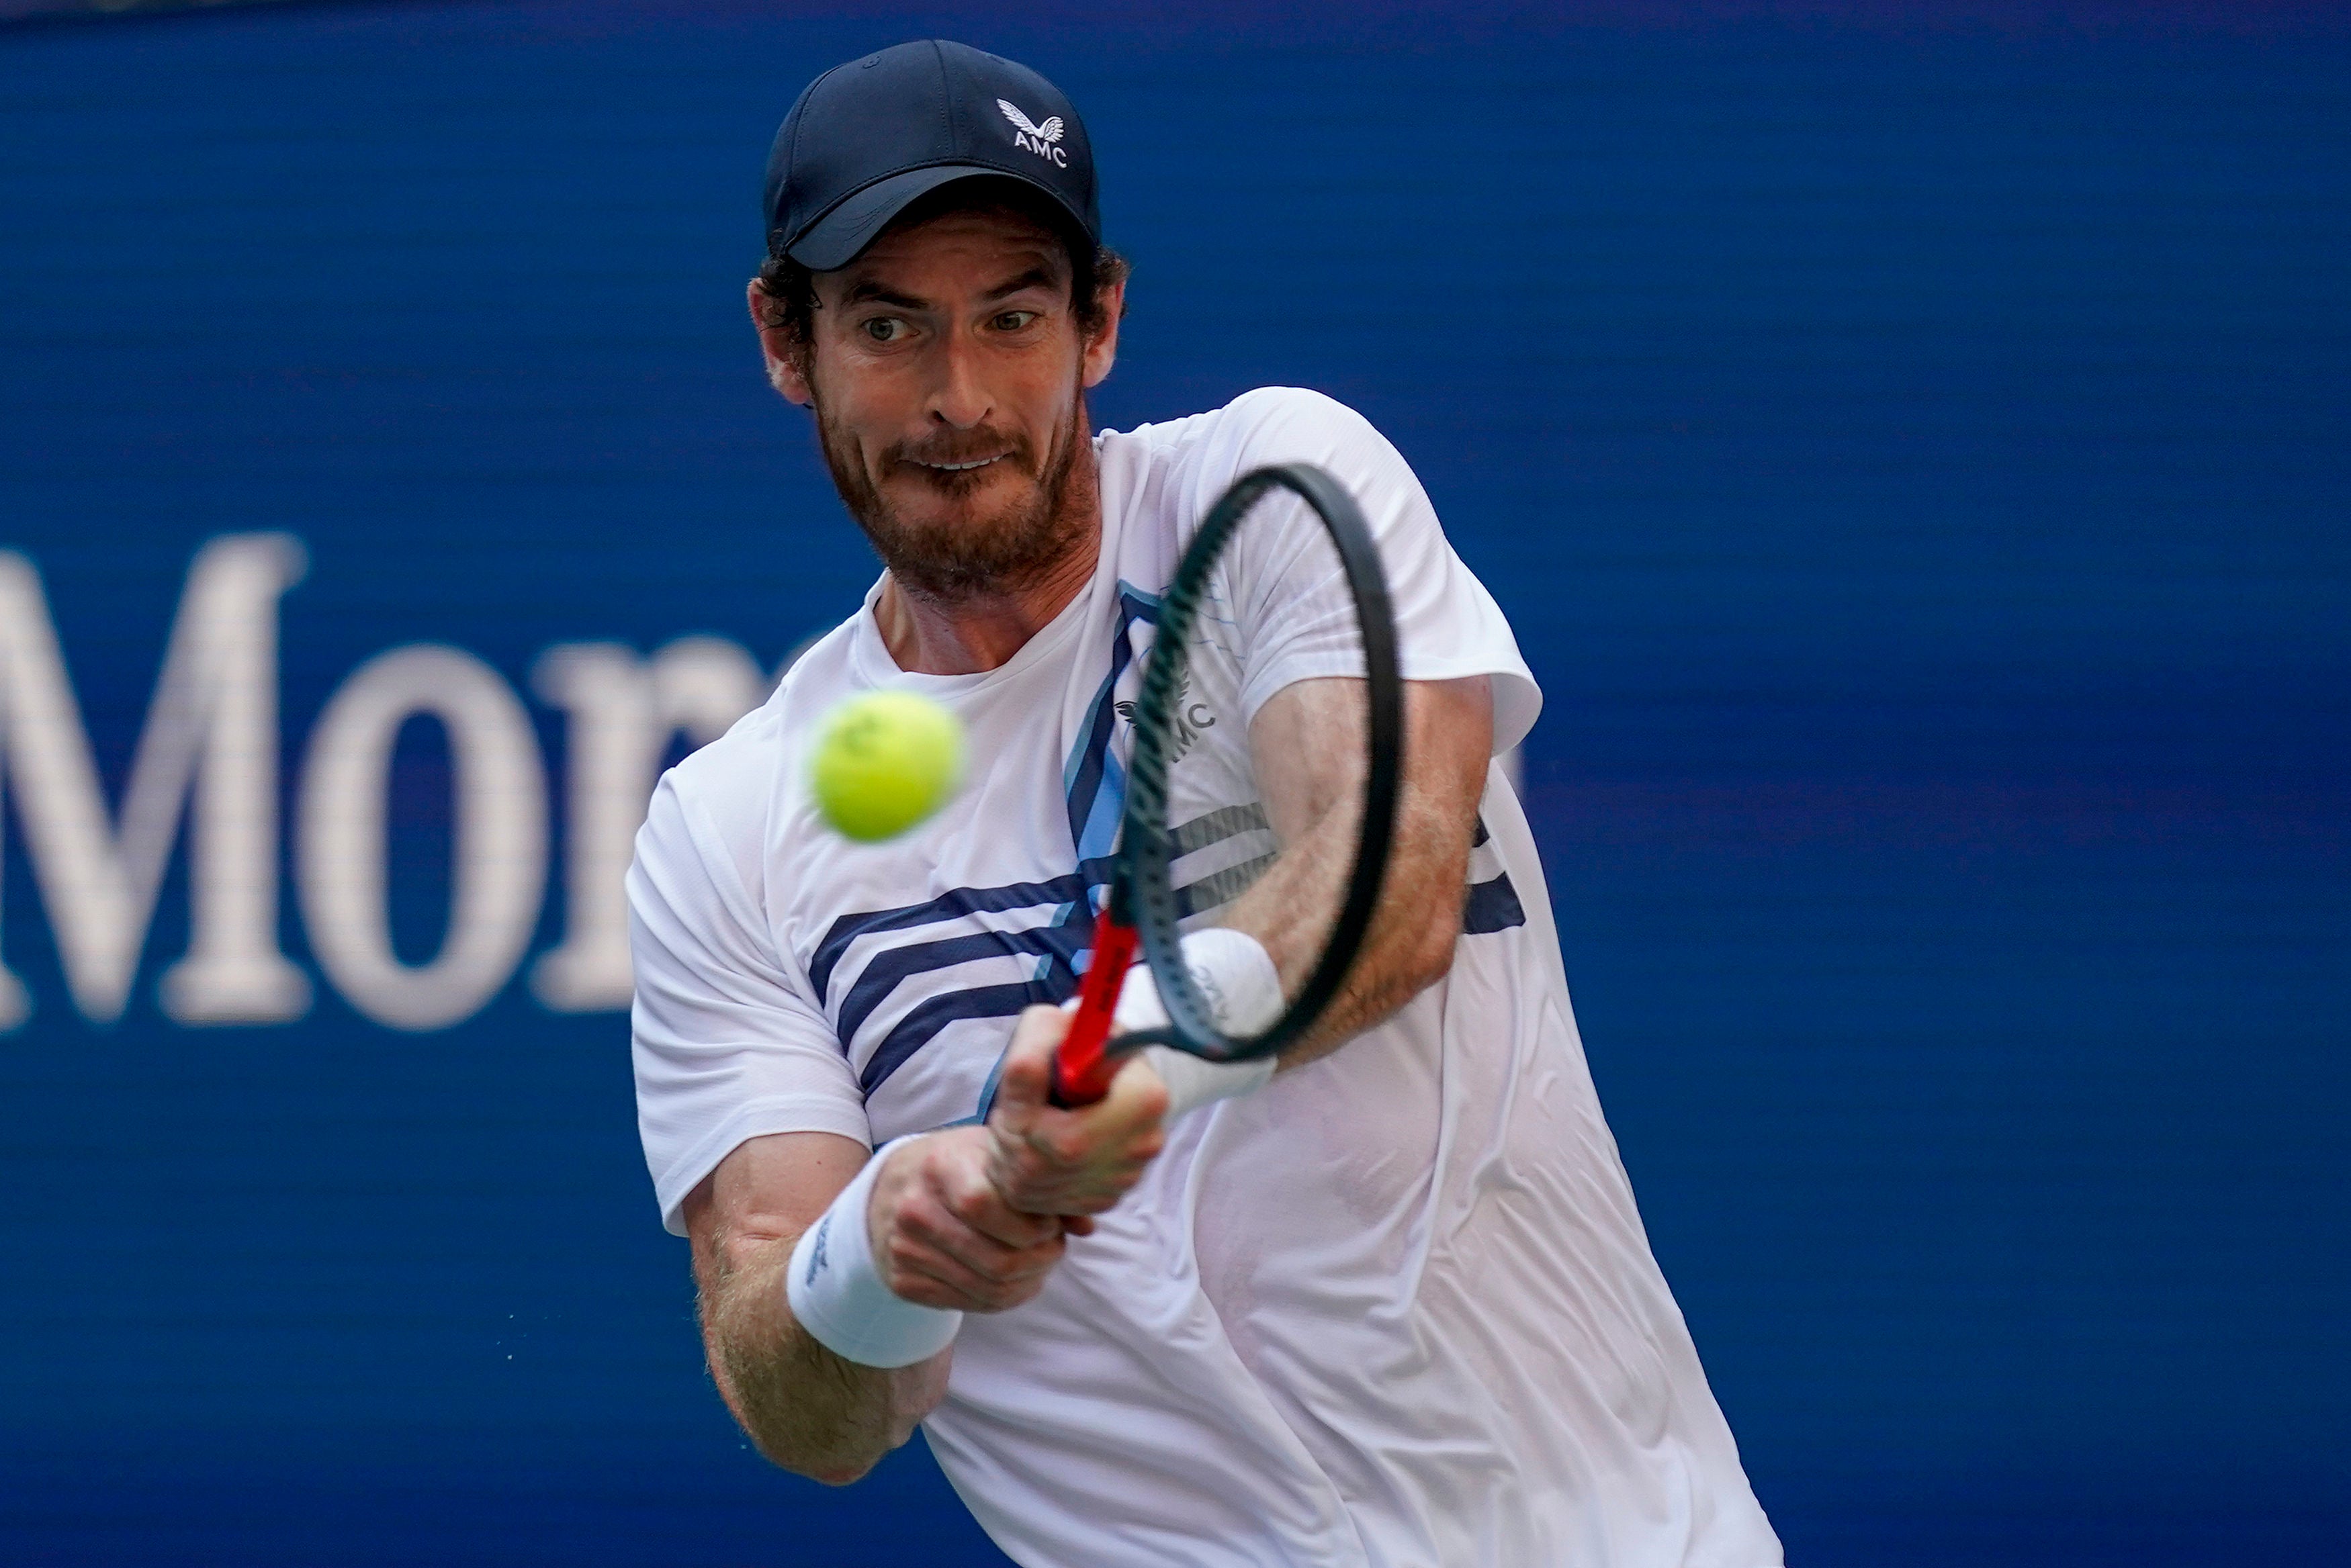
(1101, 350)
(785, 372)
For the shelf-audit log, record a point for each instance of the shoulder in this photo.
(712, 809)
(1292, 424)
(1178, 467)
(1267, 425)
(1286, 413)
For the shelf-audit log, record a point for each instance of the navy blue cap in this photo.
(870, 137)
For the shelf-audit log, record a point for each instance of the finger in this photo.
(976, 1272)
(940, 1282)
(1015, 1173)
(913, 1269)
(1054, 1161)
(1136, 1102)
(927, 1232)
(1120, 1128)
(974, 1199)
(979, 1264)
(959, 1203)
(1078, 1192)
(1066, 1153)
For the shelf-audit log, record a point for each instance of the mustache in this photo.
(960, 446)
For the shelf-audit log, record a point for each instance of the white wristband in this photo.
(1236, 975)
(839, 1298)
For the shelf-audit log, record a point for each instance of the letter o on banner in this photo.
(499, 874)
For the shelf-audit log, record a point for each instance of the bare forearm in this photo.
(1307, 744)
(1410, 943)
(806, 1408)
(942, 1239)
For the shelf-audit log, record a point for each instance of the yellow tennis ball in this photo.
(886, 760)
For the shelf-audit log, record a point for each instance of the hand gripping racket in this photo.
(1144, 905)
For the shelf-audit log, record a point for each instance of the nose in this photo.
(960, 401)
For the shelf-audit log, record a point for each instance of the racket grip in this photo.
(1082, 1063)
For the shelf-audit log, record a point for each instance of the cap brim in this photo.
(851, 223)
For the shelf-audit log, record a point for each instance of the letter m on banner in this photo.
(210, 735)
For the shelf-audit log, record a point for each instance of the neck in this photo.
(970, 633)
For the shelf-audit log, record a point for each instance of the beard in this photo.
(973, 552)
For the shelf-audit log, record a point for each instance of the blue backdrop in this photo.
(1912, 456)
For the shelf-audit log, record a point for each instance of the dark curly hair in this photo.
(790, 288)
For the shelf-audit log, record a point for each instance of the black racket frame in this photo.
(1143, 890)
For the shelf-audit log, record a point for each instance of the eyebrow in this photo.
(861, 294)
(1035, 278)
(868, 292)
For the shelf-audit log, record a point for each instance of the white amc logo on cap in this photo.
(208, 758)
(1044, 141)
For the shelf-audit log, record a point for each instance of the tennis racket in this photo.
(1339, 588)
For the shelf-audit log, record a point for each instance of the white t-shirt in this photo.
(1396, 1309)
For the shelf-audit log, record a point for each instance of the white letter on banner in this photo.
(211, 729)
(621, 712)
(498, 855)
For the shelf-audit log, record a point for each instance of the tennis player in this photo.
(1388, 1303)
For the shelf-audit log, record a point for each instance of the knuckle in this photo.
(902, 1207)
(943, 1159)
(922, 1224)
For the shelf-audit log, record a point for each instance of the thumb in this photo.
(1029, 1061)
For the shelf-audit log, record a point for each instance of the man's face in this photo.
(948, 371)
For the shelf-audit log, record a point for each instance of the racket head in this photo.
(1148, 894)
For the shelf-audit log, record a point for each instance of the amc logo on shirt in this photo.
(206, 769)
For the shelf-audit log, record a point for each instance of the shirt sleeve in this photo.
(728, 1042)
(1284, 587)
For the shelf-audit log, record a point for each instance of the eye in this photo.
(1014, 320)
(884, 329)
